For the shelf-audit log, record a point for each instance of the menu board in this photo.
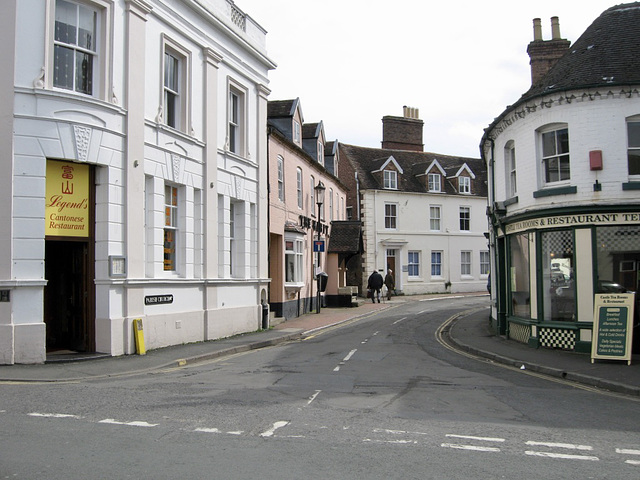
(612, 326)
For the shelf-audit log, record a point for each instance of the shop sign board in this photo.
(612, 326)
(67, 202)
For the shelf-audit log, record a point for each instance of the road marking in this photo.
(313, 397)
(482, 439)
(131, 424)
(568, 446)
(207, 430)
(52, 415)
(345, 359)
(393, 442)
(469, 447)
(626, 451)
(398, 321)
(271, 431)
(563, 456)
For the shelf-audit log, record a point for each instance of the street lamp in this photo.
(319, 189)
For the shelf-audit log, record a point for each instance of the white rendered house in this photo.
(133, 136)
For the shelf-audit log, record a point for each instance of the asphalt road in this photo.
(376, 398)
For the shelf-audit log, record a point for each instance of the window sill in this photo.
(511, 201)
(631, 186)
(550, 192)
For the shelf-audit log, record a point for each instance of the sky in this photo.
(460, 63)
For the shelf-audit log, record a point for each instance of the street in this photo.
(377, 398)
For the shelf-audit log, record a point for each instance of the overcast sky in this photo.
(351, 62)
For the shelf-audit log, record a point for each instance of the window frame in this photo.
(511, 169)
(434, 182)
(299, 188)
(433, 219)
(391, 217)
(236, 119)
(320, 152)
(465, 218)
(312, 195)
(633, 150)
(413, 264)
(464, 184)
(465, 263)
(485, 262)
(390, 179)
(170, 228)
(436, 267)
(297, 252)
(547, 157)
(181, 93)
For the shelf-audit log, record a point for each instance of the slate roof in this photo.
(346, 237)
(281, 108)
(414, 165)
(606, 55)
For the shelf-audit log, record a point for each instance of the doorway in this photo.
(69, 296)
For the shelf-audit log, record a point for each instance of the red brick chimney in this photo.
(403, 133)
(545, 54)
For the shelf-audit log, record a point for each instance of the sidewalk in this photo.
(470, 333)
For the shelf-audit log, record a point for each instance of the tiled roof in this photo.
(346, 237)
(606, 55)
(414, 164)
(281, 108)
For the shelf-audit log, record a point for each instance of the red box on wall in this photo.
(595, 159)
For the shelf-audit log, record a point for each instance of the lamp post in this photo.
(319, 189)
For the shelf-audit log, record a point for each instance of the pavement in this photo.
(469, 333)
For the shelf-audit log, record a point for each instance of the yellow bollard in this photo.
(139, 336)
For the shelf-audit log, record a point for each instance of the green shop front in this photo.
(551, 263)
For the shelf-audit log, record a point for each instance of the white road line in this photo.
(271, 431)
(563, 456)
(131, 424)
(398, 321)
(568, 446)
(345, 359)
(632, 462)
(207, 430)
(482, 439)
(625, 451)
(313, 397)
(52, 415)
(393, 442)
(469, 447)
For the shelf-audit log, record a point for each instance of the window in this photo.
(434, 182)
(484, 263)
(280, 178)
(414, 264)
(436, 264)
(390, 179)
(465, 263)
(296, 132)
(390, 215)
(555, 155)
(171, 89)
(434, 218)
(170, 227)
(633, 134)
(320, 153)
(299, 187)
(519, 275)
(510, 165)
(558, 282)
(331, 204)
(232, 238)
(236, 121)
(465, 218)
(464, 184)
(294, 260)
(75, 51)
(312, 195)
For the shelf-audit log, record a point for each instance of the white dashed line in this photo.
(345, 359)
(207, 430)
(271, 431)
(568, 446)
(313, 397)
(481, 439)
(563, 456)
(52, 415)
(626, 451)
(470, 447)
(131, 424)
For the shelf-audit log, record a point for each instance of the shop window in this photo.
(558, 283)
(618, 259)
(519, 276)
(294, 260)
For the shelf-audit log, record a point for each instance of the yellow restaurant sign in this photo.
(67, 201)
(600, 219)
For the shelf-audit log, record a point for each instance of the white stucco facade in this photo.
(193, 270)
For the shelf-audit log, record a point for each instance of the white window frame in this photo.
(294, 257)
(390, 179)
(280, 172)
(510, 167)
(434, 182)
(320, 153)
(548, 156)
(413, 263)
(485, 263)
(312, 195)
(331, 204)
(170, 228)
(436, 267)
(465, 218)
(464, 184)
(297, 133)
(633, 146)
(101, 70)
(391, 216)
(299, 190)
(237, 119)
(465, 263)
(435, 218)
(178, 94)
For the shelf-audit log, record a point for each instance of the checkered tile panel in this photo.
(557, 338)
(519, 333)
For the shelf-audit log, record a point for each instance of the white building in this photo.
(133, 132)
(564, 173)
(423, 214)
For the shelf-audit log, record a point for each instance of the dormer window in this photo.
(434, 182)
(464, 184)
(321, 153)
(390, 180)
(296, 133)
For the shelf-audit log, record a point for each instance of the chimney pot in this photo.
(537, 30)
(555, 28)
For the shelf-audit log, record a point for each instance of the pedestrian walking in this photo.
(389, 283)
(375, 284)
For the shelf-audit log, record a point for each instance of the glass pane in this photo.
(565, 169)
(87, 28)
(84, 73)
(551, 170)
(563, 141)
(65, 27)
(170, 72)
(558, 287)
(548, 144)
(519, 288)
(634, 162)
(63, 67)
(633, 129)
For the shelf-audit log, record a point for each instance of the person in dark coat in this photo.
(389, 283)
(375, 284)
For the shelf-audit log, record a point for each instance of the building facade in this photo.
(564, 175)
(137, 187)
(300, 159)
(423, 214)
